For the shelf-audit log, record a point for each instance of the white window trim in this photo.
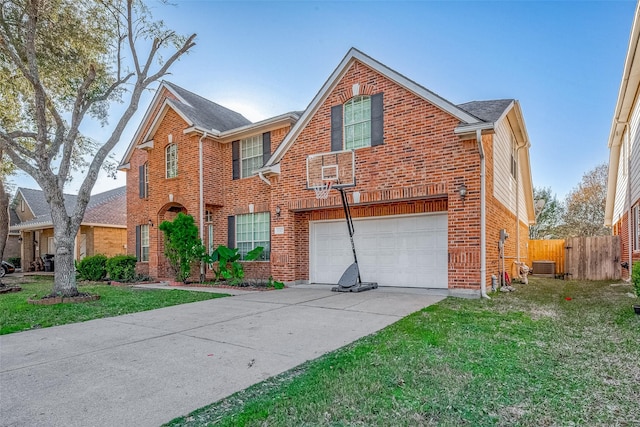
(635, 213)
(253, 242)
(255, 139)
(144, 232)
(354, 124)
(146, 180)
(171, 164)
(210, 245)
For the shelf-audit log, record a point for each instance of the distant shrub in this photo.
(121, 268)
(635, 278)
(16, 261)
(92, 268)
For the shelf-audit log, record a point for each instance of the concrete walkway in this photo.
(145, 369)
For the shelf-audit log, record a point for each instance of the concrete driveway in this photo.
(145, 369)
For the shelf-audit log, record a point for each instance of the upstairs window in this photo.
(171, 156)
(251, 155)
(143, 180)
(357, 123)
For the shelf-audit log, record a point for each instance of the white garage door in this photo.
(407, 251)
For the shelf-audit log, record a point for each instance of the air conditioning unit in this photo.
(544, 268)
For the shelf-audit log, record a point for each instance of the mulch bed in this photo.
(7, 289)
(51, 299)
(243, 286)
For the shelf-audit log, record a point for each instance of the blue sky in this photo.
(562, 60)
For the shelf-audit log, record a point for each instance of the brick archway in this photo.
(167, 212)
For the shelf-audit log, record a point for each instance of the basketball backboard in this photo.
(339, 167)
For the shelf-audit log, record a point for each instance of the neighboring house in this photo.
(12, 248)
(622, 211)
(415, 154)
(103, 229)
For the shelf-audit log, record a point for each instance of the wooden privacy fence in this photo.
(547, 250)
(593, 258)
(581, 258)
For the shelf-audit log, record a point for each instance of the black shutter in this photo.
(336, 128)
(377, 120)
(266, 147)
(231, 232)
(138, 242)
(235, 158)
(141, 181)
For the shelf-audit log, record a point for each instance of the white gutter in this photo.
(201, 179)
(483, 219)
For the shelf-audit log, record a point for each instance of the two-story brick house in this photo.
(436, 182)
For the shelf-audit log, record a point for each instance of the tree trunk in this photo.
(65, 231)
(65, 270)
(4, 216)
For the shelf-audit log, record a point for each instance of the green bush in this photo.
(92, 268)
(182, 246)
(16, 261)
(635, 278)
(121, 268)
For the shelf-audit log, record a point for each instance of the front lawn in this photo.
(552, 353)
(18, 315)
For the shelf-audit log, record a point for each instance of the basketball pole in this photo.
(347, 214)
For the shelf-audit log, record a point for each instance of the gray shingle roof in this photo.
(38, 203)
(487, 111)
(206, 114)
(108, 207)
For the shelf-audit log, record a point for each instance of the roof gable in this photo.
(195, 110)
(351, 57)
(107, 208)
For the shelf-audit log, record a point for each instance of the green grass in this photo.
(18, 315)
(527, 358)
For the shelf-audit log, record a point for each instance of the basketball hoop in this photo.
(322, 190)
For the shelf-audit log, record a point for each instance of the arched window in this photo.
(357, 122)
(171, 156)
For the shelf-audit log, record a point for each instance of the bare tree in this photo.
(63, 63)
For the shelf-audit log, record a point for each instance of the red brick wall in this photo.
(420, 149)
(223, 196)
(421, 156)
(621, 228)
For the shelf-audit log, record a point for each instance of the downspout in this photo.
(526, 145)
(201, 179)
(483, 219)
(262, 177)
(629, 215)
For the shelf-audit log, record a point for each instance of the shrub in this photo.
(121, 268)
(92, 268)
(229, 267)
(16, 261)
(182, 246)
(635, 278)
